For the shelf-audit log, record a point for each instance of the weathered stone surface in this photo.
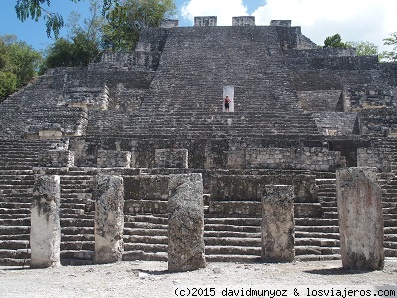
(185, 223)
(171, 158)
(360, 219)
(243, 21)
(205, 21)
(278, 226)
(109, 218)
(45, 231)
(113, 158)
(56, 158)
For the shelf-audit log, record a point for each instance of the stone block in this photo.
(278, 225)
(171, 158)
(56, 158)
(167, 23)
(113, 159)
(282, 23)
(109, 218)
(185, 223)
(205, 21)
(45, 230)
(243, 21)
(360, 218)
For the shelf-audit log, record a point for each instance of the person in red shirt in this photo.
(227, 103)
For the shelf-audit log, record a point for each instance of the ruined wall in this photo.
(214, 153)
(336, 123)
(374, 157)
(315, 159)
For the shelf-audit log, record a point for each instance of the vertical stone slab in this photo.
(109, 218)
(278, 225)
(45, 229)
(185, 223)
(360, 219)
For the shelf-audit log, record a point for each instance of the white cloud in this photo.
(354, 20)
(224, 10)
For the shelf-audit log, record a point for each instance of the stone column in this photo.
(109, 218)
(45, 227)
(360, 219)
(185, 223)
(278, 225)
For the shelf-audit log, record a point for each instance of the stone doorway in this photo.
(228, 91)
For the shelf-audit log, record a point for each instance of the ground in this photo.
(145, 279)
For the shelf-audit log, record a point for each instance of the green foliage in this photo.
(127, 18)
(83, 44)
(335, 41)
(34, 9)
(8, 84)
(18, 64)
(391, 41)
(364, 48)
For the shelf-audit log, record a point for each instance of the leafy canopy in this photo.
(18, 64)
(391, 41)
(126, 19)
(83, 44)
(364, 48)
(334, 41)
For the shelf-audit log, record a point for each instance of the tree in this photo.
(391, 41)
(127, 18)
(364, 48)
(334, 41)
(19, 64)
(83, 44)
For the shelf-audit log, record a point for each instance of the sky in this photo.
(354, 20)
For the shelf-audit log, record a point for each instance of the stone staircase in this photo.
(77, 218)
(17, 158)
(186, 98)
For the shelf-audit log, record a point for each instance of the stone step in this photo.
(87, 255)
(321, 242)
(15, 253)
(316, 250)
(233, 258)
(144, 256)
(145, 225)
(232, 250)
(391, 253)
(321, 229)
(14, 236)
(78, 245)
(72, 230)
(145, 239)
(233, 228)
(314, 257)
(231, 234)
(145, 247)
(146, 231)
(299, 234)
(315, 222)
(14, 244)
(11, 261)
(15, 221)
(78, 238)
(236, 221)
(14, 230)
(232, 241)
(155, 218)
